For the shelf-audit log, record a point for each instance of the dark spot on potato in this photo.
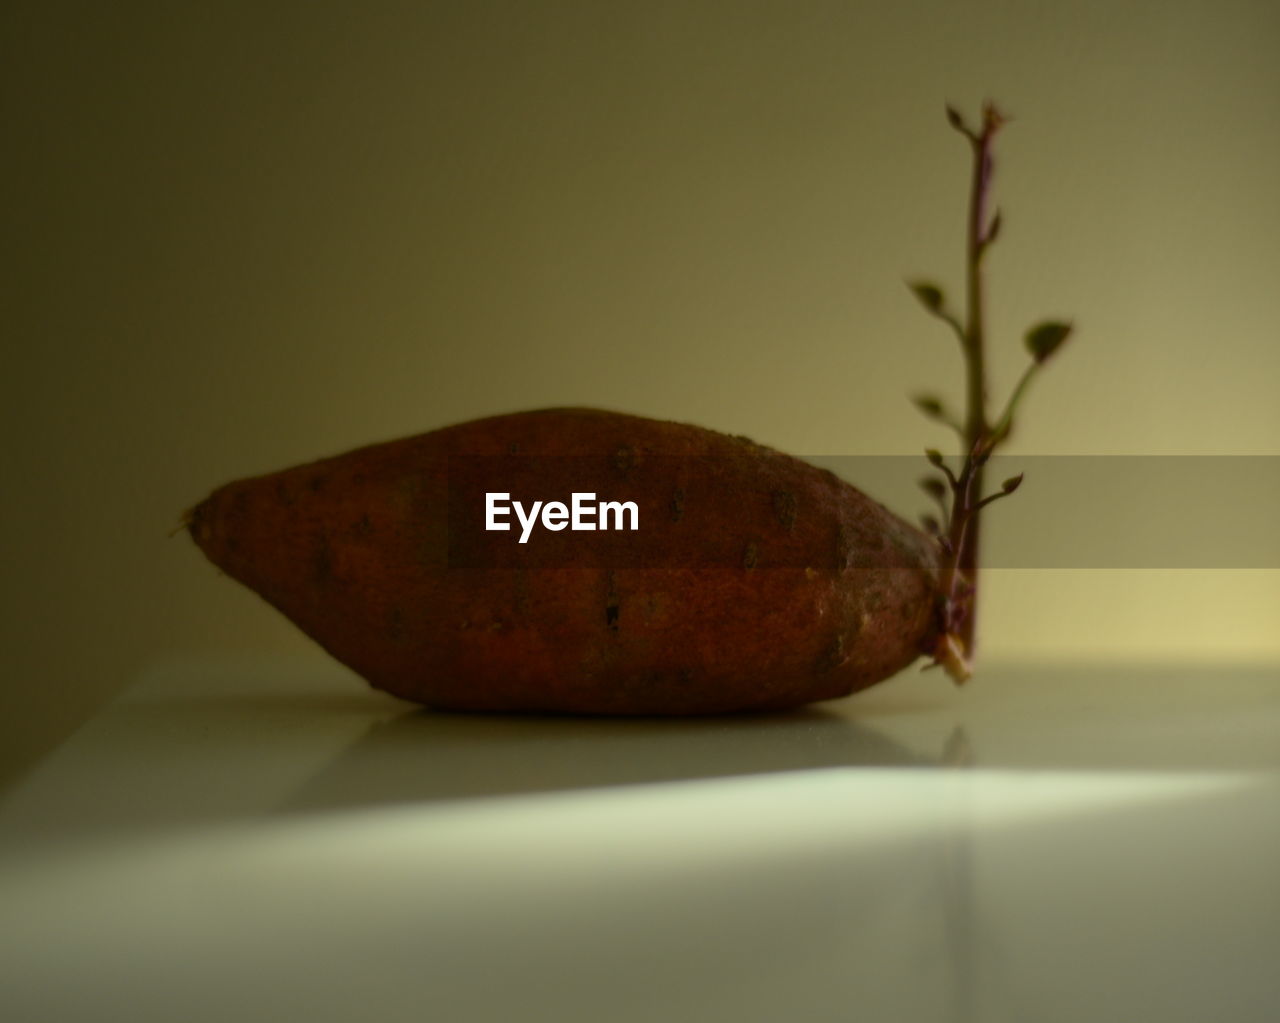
(317, 482)
(844, 547)
(284, 494)
(831, 657)
(855, 549)
(322, 561)
(677, 505)
(520, 591)
(750, 555)
(395, 623)
(626, 458)
(362, 527)
(784, 508)
(900, 553)
(612, 603)
(664, 680)
(640, 683)
(513, 448)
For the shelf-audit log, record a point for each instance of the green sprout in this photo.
(959, 495)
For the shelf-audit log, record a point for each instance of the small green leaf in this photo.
(934, 456)
(934, 487)
(1044, 339)
(954, 118)
(934, 408)
(929, 405)
(930, 295)
(931, 525)
(1006, 488)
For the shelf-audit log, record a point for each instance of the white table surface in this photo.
(244, 841)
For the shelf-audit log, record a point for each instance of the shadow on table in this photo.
(426, 755)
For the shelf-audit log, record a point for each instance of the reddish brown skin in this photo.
(812, 590)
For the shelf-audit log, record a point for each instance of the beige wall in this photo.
(254, 234)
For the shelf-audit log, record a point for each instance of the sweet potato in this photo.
(753, 581)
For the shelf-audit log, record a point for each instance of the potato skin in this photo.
(772, 585)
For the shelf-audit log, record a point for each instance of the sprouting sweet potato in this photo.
(751, 581)
(584, 561)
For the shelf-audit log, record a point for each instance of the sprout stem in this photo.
(959, 583)
(1005, 423)
(957, 594)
